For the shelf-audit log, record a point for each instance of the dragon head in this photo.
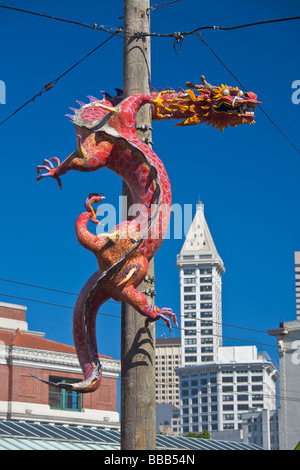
(219, 106)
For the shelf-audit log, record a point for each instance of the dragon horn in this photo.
(205, 84)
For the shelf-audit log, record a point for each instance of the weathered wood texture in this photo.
(138, 409)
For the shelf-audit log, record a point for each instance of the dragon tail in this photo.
(90, 299)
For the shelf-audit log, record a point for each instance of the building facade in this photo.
(167, 358)
(217, 384)
(214, 396)
(261, 427)
(297, 283)
(288, 340)
(200, 269)
(25, 353)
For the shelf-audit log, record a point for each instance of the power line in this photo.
(238, 81)
(108, 29)
(141, 33)
(117, 303)
(51, 84)
(116, 316)
(52, 304)
(219, 28)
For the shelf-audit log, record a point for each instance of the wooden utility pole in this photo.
(138, 409)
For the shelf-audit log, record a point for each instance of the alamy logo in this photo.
(296, 94)
(2, 92)
(296, 354)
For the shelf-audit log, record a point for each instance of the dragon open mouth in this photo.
(243, 109)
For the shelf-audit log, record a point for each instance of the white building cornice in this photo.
(52, 360)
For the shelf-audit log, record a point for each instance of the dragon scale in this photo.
(106, 137)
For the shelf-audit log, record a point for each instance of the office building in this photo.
(167, 358)
(201, 269)
(214, 396)
(297, 283)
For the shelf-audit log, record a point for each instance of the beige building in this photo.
(167, 358)
(297, 281)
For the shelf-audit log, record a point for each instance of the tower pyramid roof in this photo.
(199, 240)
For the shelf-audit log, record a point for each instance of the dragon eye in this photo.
(240, 93)
(225, 92)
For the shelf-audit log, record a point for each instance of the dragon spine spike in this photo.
(92, 98)
(81, 103)
(70, 116)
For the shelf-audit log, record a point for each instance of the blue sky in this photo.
(247, 177)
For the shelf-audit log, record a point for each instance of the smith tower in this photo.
(201, 269)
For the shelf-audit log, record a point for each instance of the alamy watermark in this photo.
(296, 93)
(2, 92)
(147, 222)
(296, 354)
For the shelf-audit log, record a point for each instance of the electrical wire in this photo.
(109, 29)
(219, 28)
(141, 33)
(51, 84)
(118, 316)
(117, 303)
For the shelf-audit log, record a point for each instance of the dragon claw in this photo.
(50, 169)
(163, 314)
(93, 198)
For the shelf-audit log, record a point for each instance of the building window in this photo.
(228, 426)
(206, 340)
(206, 314)
(206, 305)
(188, 272)
(205, 279)
(206, 332)
(189, 314)
(190, 350)
(242, 379)
(190, 341)
(204, 297)
(207, 358)
(189, 280)
(227, 397)
(257, 378)
(189, 297)
(189, 306)
(191, 359)
(190, 289)
(205, 288)
(64, 399)
(228, 417)
(189, 323)
(257, 397)
(242, 397)
(227, 379)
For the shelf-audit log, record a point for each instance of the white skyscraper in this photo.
(217, 384)
(201, 269)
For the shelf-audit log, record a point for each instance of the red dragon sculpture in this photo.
(106, 137)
